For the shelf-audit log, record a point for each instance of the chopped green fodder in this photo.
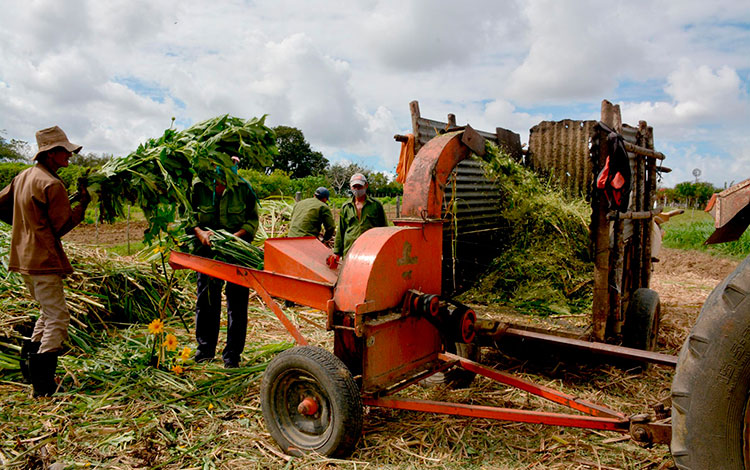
(545, 264)
(103, 290)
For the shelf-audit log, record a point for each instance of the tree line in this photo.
(688, 194)
(297, 161)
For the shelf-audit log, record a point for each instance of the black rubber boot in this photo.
(42, 371)
(27, 348)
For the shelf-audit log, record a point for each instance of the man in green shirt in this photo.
(310, 214)
(357, 216)
(234, 209)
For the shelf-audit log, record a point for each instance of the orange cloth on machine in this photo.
(405, 159)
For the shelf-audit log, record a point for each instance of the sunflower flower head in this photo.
(185, 353)
(170, 342)
(156, 327)
(177, 369)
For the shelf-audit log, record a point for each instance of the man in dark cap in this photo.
(36, 204)
(309, 215)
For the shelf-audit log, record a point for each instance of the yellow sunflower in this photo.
(170, 342)
(156, 327)
(185, 353)
(177, 369)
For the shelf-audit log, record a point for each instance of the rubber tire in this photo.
(712, 380)
(335, 430)
(457, 377)
(641, 326)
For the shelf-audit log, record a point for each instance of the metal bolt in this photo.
(641, 434)
(307, 407)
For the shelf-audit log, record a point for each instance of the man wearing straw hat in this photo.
(36, 204)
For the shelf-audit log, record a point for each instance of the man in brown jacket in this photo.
(36, 204)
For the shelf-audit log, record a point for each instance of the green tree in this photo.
(89, 160)
(338, 174)
(296, 157)
(694, 194)
(13, 150)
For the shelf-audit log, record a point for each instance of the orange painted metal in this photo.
(303, 257)
(305, 292)
(539, 390)
(384, 263)
(302, 291)
(397, 347)
(425, 184)
(506, 414)
(600, 417)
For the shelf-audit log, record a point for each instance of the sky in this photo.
(113, 73)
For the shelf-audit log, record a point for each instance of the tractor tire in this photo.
(711, 387)
(333, 426)
(642, 320)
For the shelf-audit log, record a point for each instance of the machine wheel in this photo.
(710, 413)
(642, 320)
(311, 403)
(457, 377)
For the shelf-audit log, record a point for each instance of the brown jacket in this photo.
(40, 215)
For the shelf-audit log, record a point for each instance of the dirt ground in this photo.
(106, 234)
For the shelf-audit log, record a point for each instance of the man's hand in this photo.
(240, 233)
(204, 236)
(83, 195)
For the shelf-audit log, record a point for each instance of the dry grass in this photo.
(120, 415)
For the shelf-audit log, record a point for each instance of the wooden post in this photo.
(451, 120)
(649, 197)
(600, 236)
(414, 108)
(398, 206)
(600, 225)
(639, 226)
(298, 196)
(127, 229)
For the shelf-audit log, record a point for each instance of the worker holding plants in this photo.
(358, 215)
(309, 215)
(229, 204)
(36, 204)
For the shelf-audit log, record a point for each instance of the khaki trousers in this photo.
(52, 326)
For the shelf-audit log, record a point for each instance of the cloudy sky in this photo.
(113, 73)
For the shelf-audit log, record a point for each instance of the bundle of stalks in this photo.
(545, 266)
(103, 290)
(158, 175)
(275, 214)
(224, 247)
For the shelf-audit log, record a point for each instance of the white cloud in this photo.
(344, 72)
(426, 34)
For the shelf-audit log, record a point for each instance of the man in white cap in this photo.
(36, 204)
(357, 216)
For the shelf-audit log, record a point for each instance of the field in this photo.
(119, 413)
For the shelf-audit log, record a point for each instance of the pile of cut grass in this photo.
(545, 265)
(104, 290)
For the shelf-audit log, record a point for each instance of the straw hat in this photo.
(52, 137)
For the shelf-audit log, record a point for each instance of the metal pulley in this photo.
(462, 323)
